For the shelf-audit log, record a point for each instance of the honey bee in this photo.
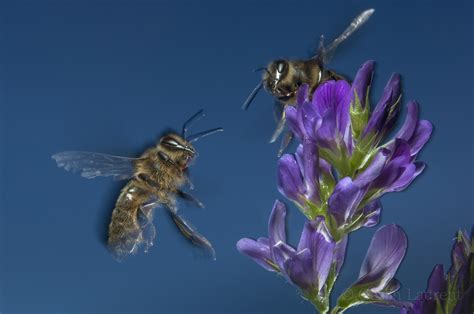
(282, 78)
(155, 179)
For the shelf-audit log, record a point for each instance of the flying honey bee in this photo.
(282, 78)
(155, 179)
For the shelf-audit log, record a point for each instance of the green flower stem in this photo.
(321, 306)
(337, 310)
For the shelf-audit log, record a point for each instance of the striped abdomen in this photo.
(131, 223)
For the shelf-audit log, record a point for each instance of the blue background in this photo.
(111, 76)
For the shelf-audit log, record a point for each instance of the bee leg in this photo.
(189, 183)
(280, 127)
(191, 234)
(188, 197)
(285, 142)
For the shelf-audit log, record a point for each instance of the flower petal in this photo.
(385, 253)
(437, 281)
(281, 253)
(395, 167)
(276, 224)
(374, 169)
(331, 102)
(259, 251)
(302, 94)
(384, 298)
(326, 135)
(411, 120)
(385, 113)
(317, 240)
(306, 238)
(409, 174)
(291, 114)
(340, 253)
(308, 119)
(310, 166)
(372, 213)
(362, 81)
(344, 200)
(290, 180)
(300, 270)
(421, 135)
(465, 305)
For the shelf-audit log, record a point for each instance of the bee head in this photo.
(275, 72)
(177, 149)
(279, 79)
(272, 80)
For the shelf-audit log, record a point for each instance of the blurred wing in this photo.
(145, 221)
(325, 53)
(91, 165)
(192, 235)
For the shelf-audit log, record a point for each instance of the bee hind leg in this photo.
(189, 198)
(192, 234)
(287, 138)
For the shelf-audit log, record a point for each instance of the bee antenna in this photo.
(200, 135)
(195, 117)
(260, 69)
(266, 70)
(252, 95)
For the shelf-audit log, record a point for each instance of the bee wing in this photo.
(192, 235)
(325, 53)
(91, 165)
(145, 220)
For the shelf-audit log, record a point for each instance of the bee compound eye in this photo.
(281, 66)
(170, 142)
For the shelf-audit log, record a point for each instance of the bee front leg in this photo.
(189, 183)
(189, 198)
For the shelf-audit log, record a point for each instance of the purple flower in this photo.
(413, 131)
(307, 266)
(359, 109)
(344, 205)
(325, 119)
(376, 280)
(390, 170)
(426, 302)
(303, 177)
(453, 292)
(336, 118)
(362, 82)
(385, 114)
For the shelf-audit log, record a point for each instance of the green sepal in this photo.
(326, 186)
(352, 297)
(452, 294)
(320, 302)
(439, 307)
(363, 153)
(339, 160)
(359, 116)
